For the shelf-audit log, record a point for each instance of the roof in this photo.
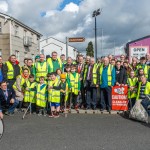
(58, 41)
(20, 23)
(148, 36)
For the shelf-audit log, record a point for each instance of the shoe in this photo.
(87, 108)
(51, 116)
(109, 110)
(94, 108)
(9, 113)
(40, 113)
(44, 113)
(56, 116)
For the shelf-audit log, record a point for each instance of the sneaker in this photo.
(56, 116)
(40, 113)
(9, 113)
(51, 116)
(44, 113)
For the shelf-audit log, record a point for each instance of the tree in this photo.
(90, 49)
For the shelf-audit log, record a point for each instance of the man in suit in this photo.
(7, 100)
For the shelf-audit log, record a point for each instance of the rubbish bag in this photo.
(138, 112)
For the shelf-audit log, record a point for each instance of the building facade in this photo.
(48, 45)
(138, 48)
(17, 38)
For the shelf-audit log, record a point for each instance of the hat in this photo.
(37, 57)
(63, 76)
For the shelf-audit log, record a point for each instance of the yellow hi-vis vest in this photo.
(41, 96)
(50, 62)
(132, 82)
(23, 80)
(30, 96)
(109, 75)
(146, 68)
(41, 70)
(10, 73)
(74, 83)
(146, 91)
(54, 95)
(94, 74)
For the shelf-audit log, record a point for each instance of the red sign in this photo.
(120, 98)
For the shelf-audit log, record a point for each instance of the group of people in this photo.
(58, 83)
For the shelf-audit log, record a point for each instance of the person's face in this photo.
(53, 77)
(69, 61)
(106, 61)
(62, 58)
(63, 80)
(92, 61)
(31, 79)
(132, 74)
(42, 57)
(1, 60)
(37, 60)
(41, 80)
(49, 78)
(110, 57)
(87, 61)
(148, 56)
(73, 69)
(58, 72)
(113, 63)
(141, 72)
(13, 59)
(4, 86)
(29, 63)
(26, 73)
(68, 69)
(125, 65)
(80, 60)
(143, 79)
(25, 61)
(54, 56)
(122, 57)
(143, 61)
(118, 65)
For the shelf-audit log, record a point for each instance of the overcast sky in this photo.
(120, 20)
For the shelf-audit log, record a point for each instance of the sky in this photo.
(120, 21)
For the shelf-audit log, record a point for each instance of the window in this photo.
(0, 52)
(0, 27)
(16, 30)
(25, 33)
(32, 37)
(17, 54)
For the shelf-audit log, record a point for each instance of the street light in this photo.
(95, 14)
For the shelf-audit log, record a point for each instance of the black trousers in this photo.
(106, 98)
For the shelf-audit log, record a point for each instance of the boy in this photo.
(75, 85)
(54, 95)
(30, 92)
(63, 92)
(132, 91)
(41, 96)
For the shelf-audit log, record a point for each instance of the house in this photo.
(17, 38)
(50, 44)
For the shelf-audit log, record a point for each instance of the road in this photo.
(76, 132)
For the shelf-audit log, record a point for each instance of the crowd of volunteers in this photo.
(53, 84)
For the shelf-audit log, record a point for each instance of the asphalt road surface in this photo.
(76, 132)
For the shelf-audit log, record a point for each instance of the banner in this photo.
(120, 98)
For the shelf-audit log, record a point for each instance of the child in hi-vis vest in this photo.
(54, 95)
(30, 92)
(41, 96)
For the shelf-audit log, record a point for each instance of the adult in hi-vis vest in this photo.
(106, 79)
(41, 68)
(90, 78)
(11, 70)
(54, 62)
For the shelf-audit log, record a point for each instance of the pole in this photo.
(95, 41)
(66, 47)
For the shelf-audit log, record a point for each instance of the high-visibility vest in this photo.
(10, 73)
(53, 94)
(109, 74)
(41, 70)
(30, 96)
(23, 80)
(41, 96)
(146, 91)
(94, 74)
(50, 62)
(74, 83)
(146, 69)
(132, 82)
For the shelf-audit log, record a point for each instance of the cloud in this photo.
(3, 6)
(120, 20)
(71, 7)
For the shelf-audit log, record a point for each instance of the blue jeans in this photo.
(145, 104)
(13, 106)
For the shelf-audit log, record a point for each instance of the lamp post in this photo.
(95, 14)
